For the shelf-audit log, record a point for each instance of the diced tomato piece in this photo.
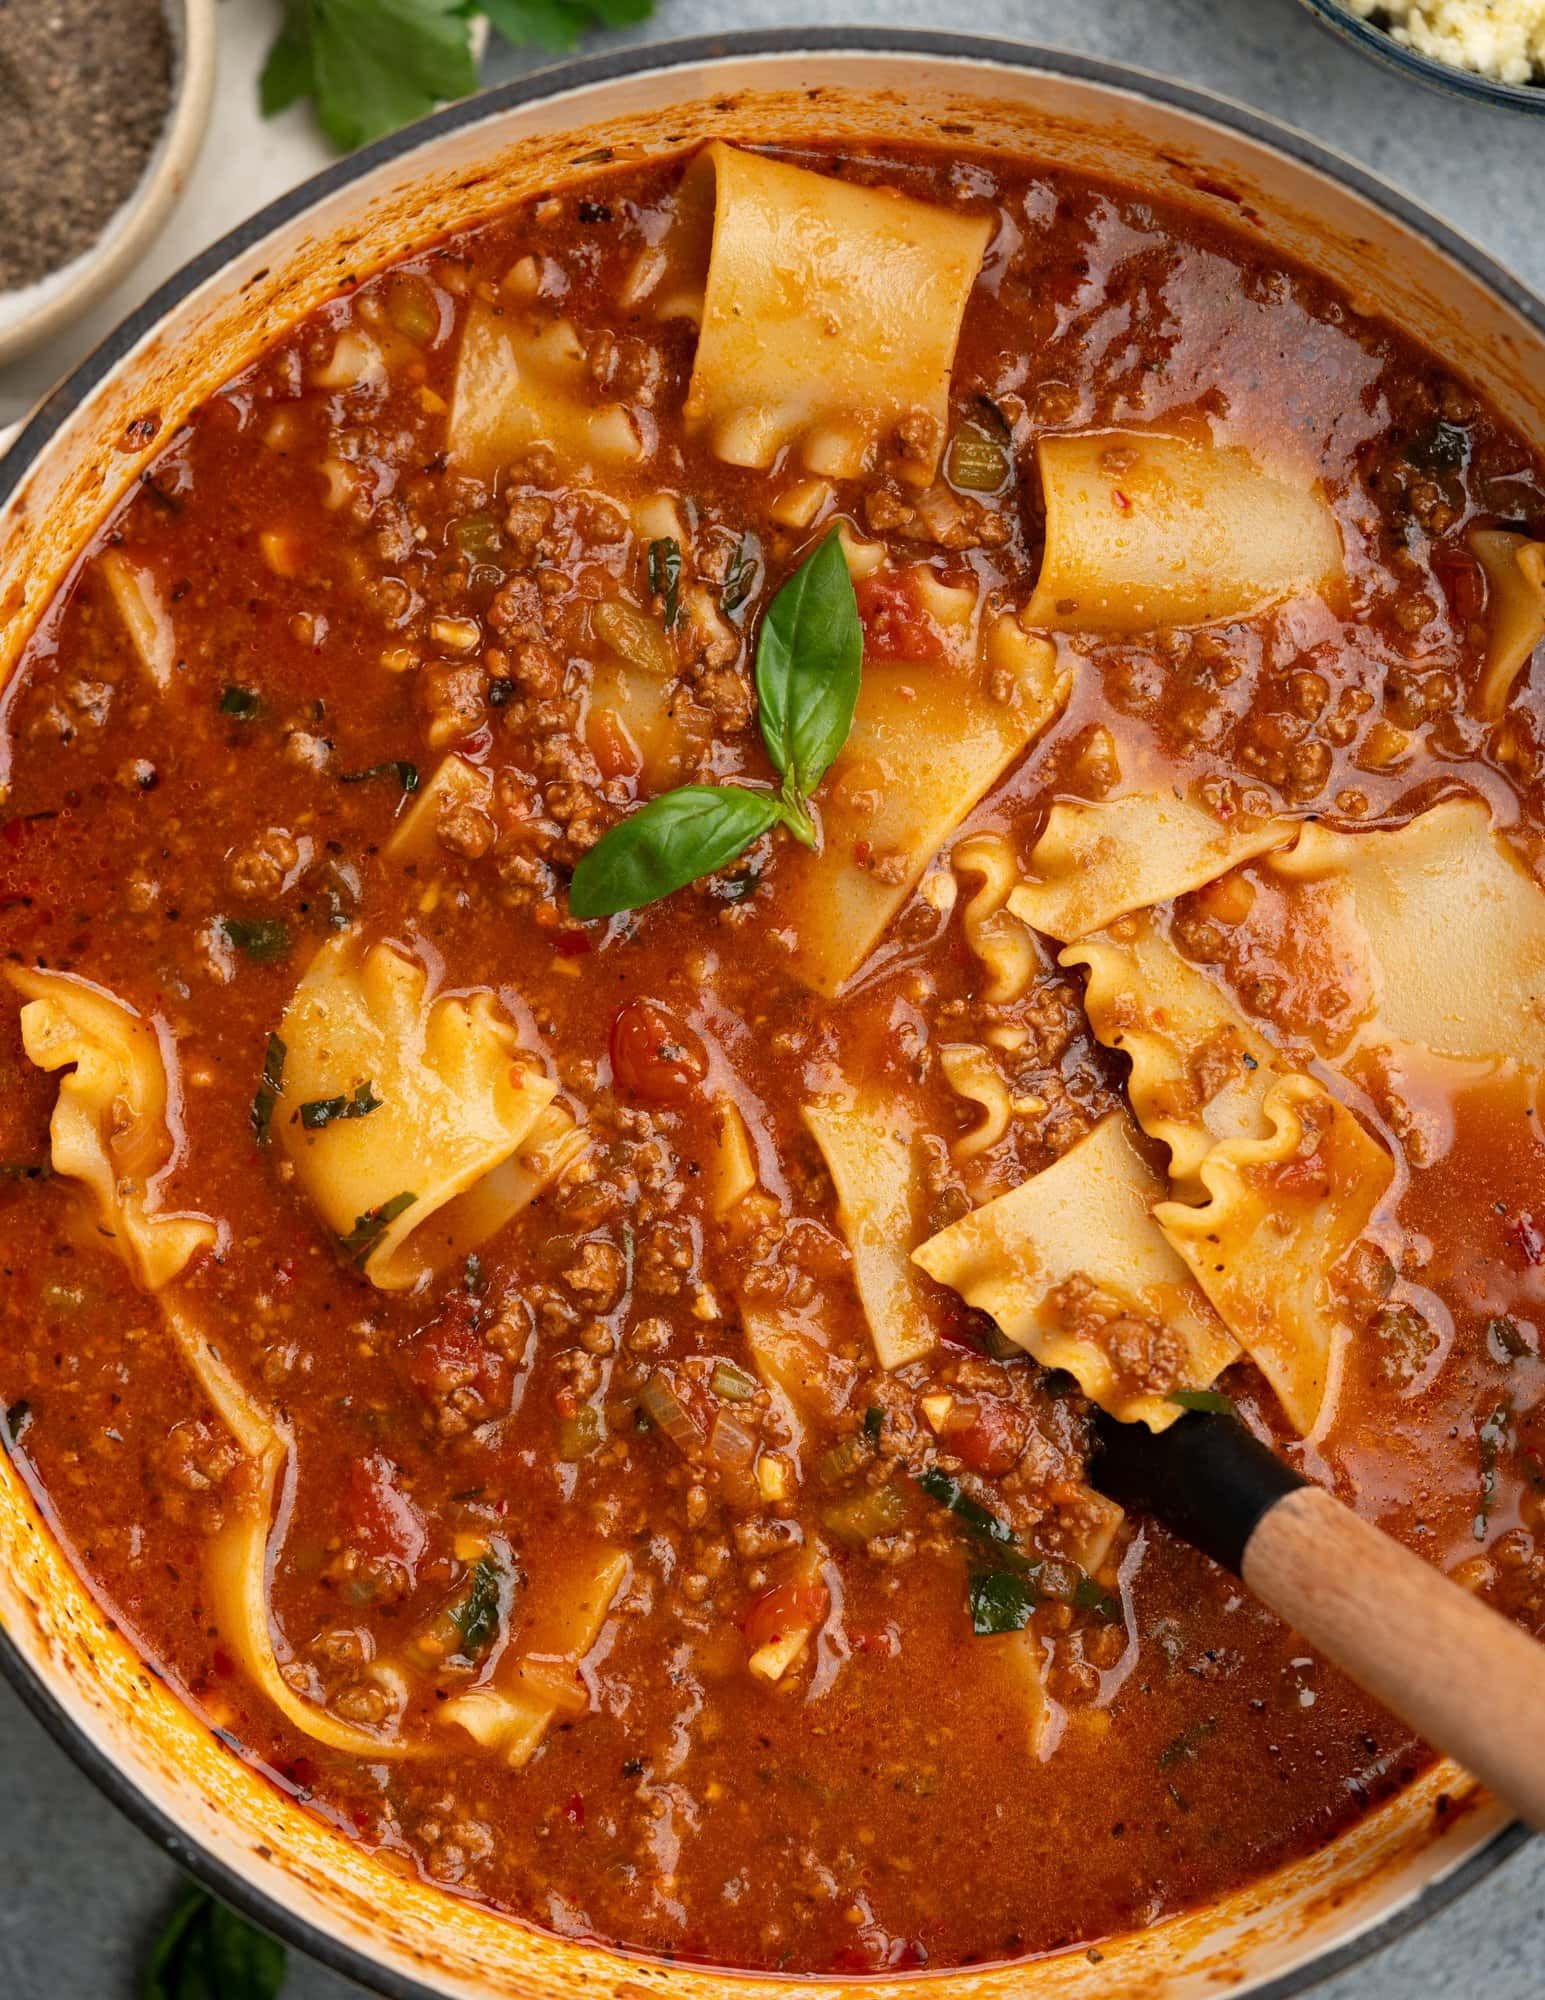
(896, 626)
(572, 944)
(655, 1055)
(611, 746)
(787, 1607)
(994, 1438)
(383, 1521)
(1464, 584)
(452, 1363)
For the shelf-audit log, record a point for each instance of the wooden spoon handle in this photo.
(1457, 1671)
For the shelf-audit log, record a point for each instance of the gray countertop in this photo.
(84, 1892)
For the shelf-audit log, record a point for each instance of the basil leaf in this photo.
(241, 703)
(1212, 1400)
(263, 939)
(809, 654)
(321, 1112)
(399, 768)
(207, 1952)
(972, 1515)
(667, 844)
(740, 576)
(476, 1617)
(999, 1601)
(665, 576)
(370, 1227)
(268, 1090)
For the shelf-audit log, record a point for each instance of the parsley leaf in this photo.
(999, 1601)
(370, 1227)
(268, 1090)
(371, 65)
(1213, 1401)
(207, 1950)
(476, 1617)
(320, 1112)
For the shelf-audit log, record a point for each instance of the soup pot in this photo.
(253, 1844)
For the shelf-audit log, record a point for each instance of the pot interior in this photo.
(79, 456)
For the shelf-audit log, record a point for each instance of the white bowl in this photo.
(31, 313)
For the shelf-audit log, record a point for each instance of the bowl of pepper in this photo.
(103, 105)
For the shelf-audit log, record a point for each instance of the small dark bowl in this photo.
(1381, 44)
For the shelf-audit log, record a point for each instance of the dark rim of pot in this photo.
(219, 1876)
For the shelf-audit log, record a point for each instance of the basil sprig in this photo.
(207, 1952)
(809, 655)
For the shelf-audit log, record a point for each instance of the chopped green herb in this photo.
(1185, 1746)
(1493, 1435)
(1213, 1401)
(399, 768)
(740, 576)
(264, 939)
(268, 1090)
(370, 1227)
(241, 704)
(207, 1952)
(1000, 1601)
(18, 1416)
(976, 1518)
(665, 576)
(874, 1418)
(323, 1111)
(476, 1617)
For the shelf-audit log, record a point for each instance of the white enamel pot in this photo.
(75, 458)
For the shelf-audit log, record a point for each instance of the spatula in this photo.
(1469, 1682)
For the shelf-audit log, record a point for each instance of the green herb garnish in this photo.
(809, 654)
(1183, 1747)
(18, 1416)
(241, 704)
(263, 939)
(665, 576)
(1440, 448)
(372, 65)
(399, 768)
(874, 1418)
(740, 576)
(1492, 1435)
(476, 1617)
(323, 1111)
(1038, 1576)
(268, 1089)
(999, 1601)
(207, 1952)
(1213, 1401)
(370, 1227)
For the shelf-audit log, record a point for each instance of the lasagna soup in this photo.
(697, 867)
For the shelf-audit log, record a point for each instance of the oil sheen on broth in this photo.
(550, 1280)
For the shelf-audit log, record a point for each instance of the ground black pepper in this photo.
(85, 86)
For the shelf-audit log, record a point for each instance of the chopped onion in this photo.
(666, 1411)
(639, 640)
(733, 1450)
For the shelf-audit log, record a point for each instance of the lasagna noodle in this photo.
(137, 595)
(1200, 1071)
(870, 1151)
(1145, 533)
(996, 936)
(1440, 929)
(1281, 1212)
(466, 1132)
(1515, 611)
(1098, 861)
(539, 1678)
(456, 785)
(1071, 1258)
(112, 1129)
(828, 315)
(928, 741)
(520, 382)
